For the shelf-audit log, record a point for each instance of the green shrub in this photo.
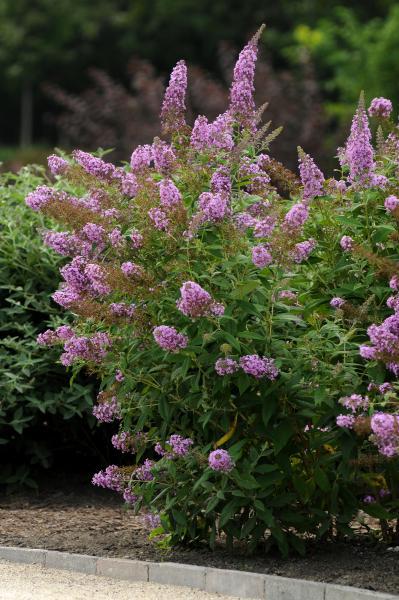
(36, 399)
(201, 280)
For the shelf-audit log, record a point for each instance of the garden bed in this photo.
(78, 518)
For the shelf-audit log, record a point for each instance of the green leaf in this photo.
(322, 480)
(268, 409)
(179, 517)
(228, 511)
(245, 288)
(378, 511)
(298, 544)
(232, 340)
(212, 504)
(246, 481)
(248, 526)
(281, 539)
(281, 435)
(204, 478)
(265, 468)
(251, 335)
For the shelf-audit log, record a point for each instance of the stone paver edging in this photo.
(239, 584)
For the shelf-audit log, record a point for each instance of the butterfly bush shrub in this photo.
(222, 301)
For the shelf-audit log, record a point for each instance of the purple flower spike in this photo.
(226, 366)
(174, 107)
(259, 366)
(57, 165)
(221, 461)
(111, 478)
(347, 421)
(359, 153)
(311, 176)
(168, 338)
(261, 256)
(242, 104)
(380, 107)
(337, 302)
(346, 243)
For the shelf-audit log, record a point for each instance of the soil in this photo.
(79, 518)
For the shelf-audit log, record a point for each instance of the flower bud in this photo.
(226, 348)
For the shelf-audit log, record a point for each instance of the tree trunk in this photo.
(26, 123)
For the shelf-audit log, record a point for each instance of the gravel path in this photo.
(33, 582)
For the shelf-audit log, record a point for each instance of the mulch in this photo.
(78, 518)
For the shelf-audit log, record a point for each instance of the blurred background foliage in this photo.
(73, 71)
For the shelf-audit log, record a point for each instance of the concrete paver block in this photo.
(22, 555)
(343, 592)
(121, 568)
(71, 562)
(235, 583)
(177, 574)
(285, 588)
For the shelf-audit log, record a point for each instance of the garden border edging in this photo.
(239, 584)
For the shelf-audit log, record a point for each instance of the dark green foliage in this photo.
(36, 398)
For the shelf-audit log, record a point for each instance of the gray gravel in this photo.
(34, 582)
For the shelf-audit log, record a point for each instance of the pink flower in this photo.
(41, 196)
(126, 442)
(94, 166)
(94, 233)
(131, 269)
(221, 182)
(264, 227)
(259, 366)
(354, 402)
(116, 238)
(380, 107)
(141, 158)
(111, 478)
(179, 447)
(129, 497)
(168, 338)
(242, 104)
(136, 239)
(337, 302)
(129, 185)
(106, 412)
(391, 203)
(359, 153)
(196, 302)
(296, 217)
(173, 106)
(346, 243)
(226, 366)
(57, 165)
(261, 257)
(163, 155)
(347, 421)
(144, 472)
(119, 376)
(158, 218)
(394, 283)
(303, 250)
(213, 136)
(385, 428)
(311, 176)
(169, 194)
(221, 461)
(214, 207)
